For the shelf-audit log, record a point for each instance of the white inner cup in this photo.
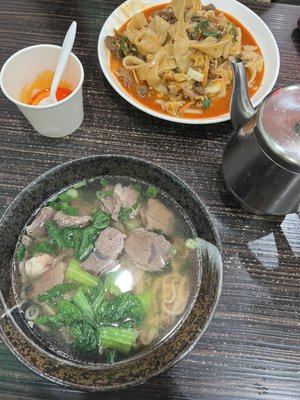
(55, 120)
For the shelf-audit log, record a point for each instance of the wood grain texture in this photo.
(251, 349)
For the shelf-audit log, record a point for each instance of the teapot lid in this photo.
(279, 126)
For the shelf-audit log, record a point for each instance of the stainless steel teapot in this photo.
(261, 162)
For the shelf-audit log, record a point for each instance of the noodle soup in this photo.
(106, 268)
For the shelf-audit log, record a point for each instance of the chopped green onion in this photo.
(173, 250)
(191, 244)
(151, 192)
(206, 103)
(215, 35)
(72, 193)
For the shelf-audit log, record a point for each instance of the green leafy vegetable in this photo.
(110, 285)
(101, 220)
(215, 35)
(45, 247)
(95, 296)
(111, 356)
(64, 197)
(77, 274)
(85, 336)
(70, 316)
(66, 314)
(121, 339)
(126, 310)
(52, 295)
(125, 213)
(201, 25)
(90, 318)
(125, 47)
(20, 253)
(81, 301)
(146, 299)
(57, 235)
(81, 240)
(61, 202)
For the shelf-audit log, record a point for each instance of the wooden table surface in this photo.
(251, 349)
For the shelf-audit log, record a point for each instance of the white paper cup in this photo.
(55, 120)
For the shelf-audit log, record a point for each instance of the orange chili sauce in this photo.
(39, 88)
(219, 106)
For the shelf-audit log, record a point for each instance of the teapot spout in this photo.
(241, 109)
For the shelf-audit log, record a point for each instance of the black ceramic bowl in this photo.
(133, 371)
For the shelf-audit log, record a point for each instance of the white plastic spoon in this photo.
(62, 61)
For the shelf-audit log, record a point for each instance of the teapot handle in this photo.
(241, 108)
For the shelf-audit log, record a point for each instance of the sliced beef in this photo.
(158, 216)
(38, 265)
(189, 93)
(195, 35)
(167, 14)
(65, 221)
(52, 277)
(97, 265)
(142, 91)
(148, 250)
(199, 90)
(36, 228)
(108, 247)
(107, 204)
(120, 45)
(209, 7)
(126, 77)
(211, 75)
(110, 243)
(113, 44)
(125, 197)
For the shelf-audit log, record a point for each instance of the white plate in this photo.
(248, 18)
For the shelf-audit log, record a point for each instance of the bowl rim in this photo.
(259, 30)
(177, 357)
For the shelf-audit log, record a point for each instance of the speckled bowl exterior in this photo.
(100, 377)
